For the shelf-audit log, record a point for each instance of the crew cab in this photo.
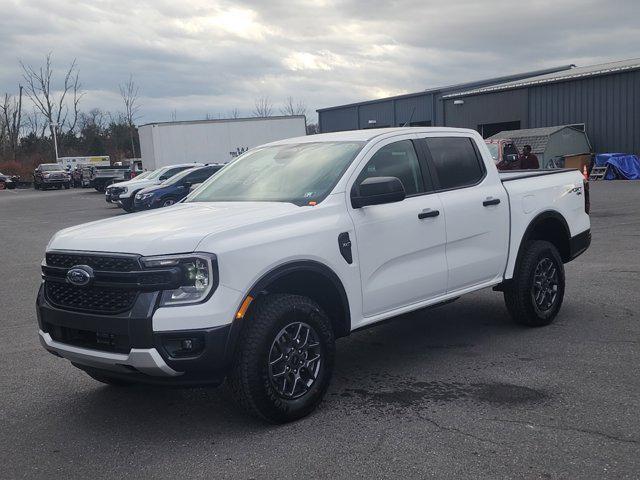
(296, 243)
(174, 189)
(123, 193)
(51, 175)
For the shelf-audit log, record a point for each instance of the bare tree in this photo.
(174, 115)
(291, 107)
(95, 118)
(34, 124)
(235, 113)
(263, 107)
(129, 93)
(57, 105)
(11, 111)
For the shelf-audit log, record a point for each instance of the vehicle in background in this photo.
(209, 141)
(174, 189)
(503, 152)
(100, 177)
(8, 181)
(123, 193)
(73, 162)
(296, 243)
(51, 175)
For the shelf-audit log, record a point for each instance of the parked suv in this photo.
(48, 175)
(174, 189)
(123, 193)
(299, 242)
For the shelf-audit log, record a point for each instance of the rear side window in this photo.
(456, 162)
(399, 160)
(201, 175)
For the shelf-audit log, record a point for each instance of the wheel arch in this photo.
(312, 279)
(552, 227)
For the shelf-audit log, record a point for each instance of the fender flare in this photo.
(547, 214)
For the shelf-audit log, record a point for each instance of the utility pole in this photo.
(55, 138)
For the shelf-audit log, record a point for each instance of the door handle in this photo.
(493, 201)
(428, 214)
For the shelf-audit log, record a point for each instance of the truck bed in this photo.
(506, 176)
(543, 192)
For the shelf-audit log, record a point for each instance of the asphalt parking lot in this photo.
(456, 391)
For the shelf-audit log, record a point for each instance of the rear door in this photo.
(476, 209)
(401, 245)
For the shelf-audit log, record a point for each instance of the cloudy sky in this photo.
(208, 57)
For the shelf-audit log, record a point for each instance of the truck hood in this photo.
(176, 229)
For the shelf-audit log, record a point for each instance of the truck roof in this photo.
(368, 134)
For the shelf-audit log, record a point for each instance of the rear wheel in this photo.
(535, 294)
(67, 186)
(285, 359)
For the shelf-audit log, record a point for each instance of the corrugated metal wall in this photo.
(381, 112)
(509, 106)
(609, 106)
(338, 120)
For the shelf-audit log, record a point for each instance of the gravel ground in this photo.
(456, 391)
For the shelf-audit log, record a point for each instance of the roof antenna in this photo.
(410, 117)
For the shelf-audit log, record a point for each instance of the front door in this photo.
(400, 246)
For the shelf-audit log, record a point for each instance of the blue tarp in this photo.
(621, 165)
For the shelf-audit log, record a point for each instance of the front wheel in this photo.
(535, 294)
(168, 201)
(285, 359)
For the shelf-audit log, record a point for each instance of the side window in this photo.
(172, 171)
(199, 176)
(399, 160)
(456, 161)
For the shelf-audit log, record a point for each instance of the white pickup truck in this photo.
(300, 242)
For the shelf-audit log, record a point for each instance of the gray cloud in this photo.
(199, 56)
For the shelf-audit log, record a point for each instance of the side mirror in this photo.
(193, 187)
(512, 158)
(378, 190)
(186, 185)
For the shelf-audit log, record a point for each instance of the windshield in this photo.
(297, 173)
(493, 150)
(142, 175)
(156, 173)
(51, 167)
(179, 176)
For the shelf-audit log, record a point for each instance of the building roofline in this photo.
(223, 120)
(473, 84)
(607, 69)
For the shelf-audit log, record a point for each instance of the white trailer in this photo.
(212, 141)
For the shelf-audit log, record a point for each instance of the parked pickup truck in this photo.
(48, 175)
(299, 242)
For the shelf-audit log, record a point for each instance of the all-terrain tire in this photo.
(523, 291)
(251, 379)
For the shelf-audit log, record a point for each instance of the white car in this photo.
(300, 242)
(123, 193)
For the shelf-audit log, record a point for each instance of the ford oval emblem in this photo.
(80, 275)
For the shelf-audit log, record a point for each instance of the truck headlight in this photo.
(199, 277)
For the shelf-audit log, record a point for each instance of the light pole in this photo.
(55, 138)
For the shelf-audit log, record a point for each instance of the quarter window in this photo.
(399, 160)
(456, 161)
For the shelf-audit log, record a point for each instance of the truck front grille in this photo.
(93, 299)
(108, 263)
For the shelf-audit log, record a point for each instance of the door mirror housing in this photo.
(378, 190)
(512, 157)
(186, 185)
(192, 187)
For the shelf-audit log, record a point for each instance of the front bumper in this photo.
(125, 345)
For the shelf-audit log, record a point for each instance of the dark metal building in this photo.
(605, 98)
